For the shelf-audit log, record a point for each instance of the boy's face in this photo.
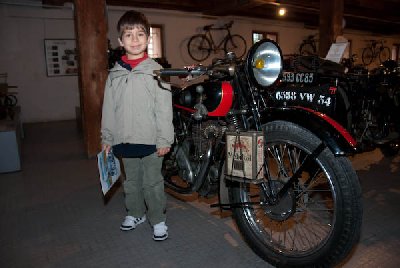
(134, 40)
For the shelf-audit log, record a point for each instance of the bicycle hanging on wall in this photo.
(376, 49)
(201, 45)
(309, 46)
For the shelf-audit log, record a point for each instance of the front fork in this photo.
(271, 197)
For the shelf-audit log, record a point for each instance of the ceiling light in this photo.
(282, 11)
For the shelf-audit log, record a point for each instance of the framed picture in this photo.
(257, 36)
(61, 57)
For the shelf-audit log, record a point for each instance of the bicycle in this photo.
(375, 50)
(308, 46)
(8, 100)
(201, 45)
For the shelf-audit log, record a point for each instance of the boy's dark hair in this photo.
(133, 18)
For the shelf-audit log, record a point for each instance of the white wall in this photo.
(23, 29)
(22, 34)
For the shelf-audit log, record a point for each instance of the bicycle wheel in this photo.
(307, 49)
(236, 44)
(10, 101)
(367, 56)
(384, 54)
(199, 47)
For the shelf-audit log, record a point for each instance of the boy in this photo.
(137, 124)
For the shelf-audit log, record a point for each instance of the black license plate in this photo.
(321, 98)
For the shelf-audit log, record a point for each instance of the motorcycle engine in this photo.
(202, 132)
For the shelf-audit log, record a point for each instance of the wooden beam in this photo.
(55, 2)
(330, 24)
(182, 5)
(223, 8)
(91, 34)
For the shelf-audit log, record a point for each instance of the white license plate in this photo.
(303, 78)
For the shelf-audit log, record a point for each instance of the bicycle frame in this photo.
(374, 47)
(210, 36)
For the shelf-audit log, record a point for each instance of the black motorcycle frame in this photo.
(250, 109)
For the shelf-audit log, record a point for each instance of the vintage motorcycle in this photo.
(366, 103)
(283, 171)
(375, 109)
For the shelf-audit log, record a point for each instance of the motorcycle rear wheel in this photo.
(317, 223)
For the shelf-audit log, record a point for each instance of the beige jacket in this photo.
(137, 109)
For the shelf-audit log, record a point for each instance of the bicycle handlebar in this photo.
(210, 26)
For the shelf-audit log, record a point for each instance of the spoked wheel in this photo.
(317, 221)
(199, 47)
(367, 56)
(384, 54)
(236, 44)
(10, 101)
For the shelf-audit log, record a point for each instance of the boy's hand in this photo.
(162, 151)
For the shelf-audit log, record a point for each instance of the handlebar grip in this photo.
(179, 72)
(172, 72)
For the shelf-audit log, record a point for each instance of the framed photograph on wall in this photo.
(258, 35)
(61, 57)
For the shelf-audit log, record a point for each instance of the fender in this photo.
(335, 136)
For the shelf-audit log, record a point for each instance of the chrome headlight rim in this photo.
(250, 64)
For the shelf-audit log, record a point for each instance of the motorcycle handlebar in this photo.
(197, 71)
(179, 72)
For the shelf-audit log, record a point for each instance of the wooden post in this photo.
(91, 35)
(330, 24)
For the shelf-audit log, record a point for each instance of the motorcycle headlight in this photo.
(264, 63)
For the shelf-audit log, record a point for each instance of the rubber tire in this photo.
(384, 54)
(10, 101)
(240, 44)
(347, 227)
(367, 56)
(193, 47)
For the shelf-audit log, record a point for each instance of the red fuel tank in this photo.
(217, 97)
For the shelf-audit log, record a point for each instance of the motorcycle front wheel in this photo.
(318, 221)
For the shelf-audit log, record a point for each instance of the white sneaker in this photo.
(131, 222)
(160, 231)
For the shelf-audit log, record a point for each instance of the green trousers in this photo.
(144, 188)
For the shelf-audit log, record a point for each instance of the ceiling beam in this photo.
(55, 2)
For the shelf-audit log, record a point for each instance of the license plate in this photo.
(302, 78)
(321, 98)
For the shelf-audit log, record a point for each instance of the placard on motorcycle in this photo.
(244, 155)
